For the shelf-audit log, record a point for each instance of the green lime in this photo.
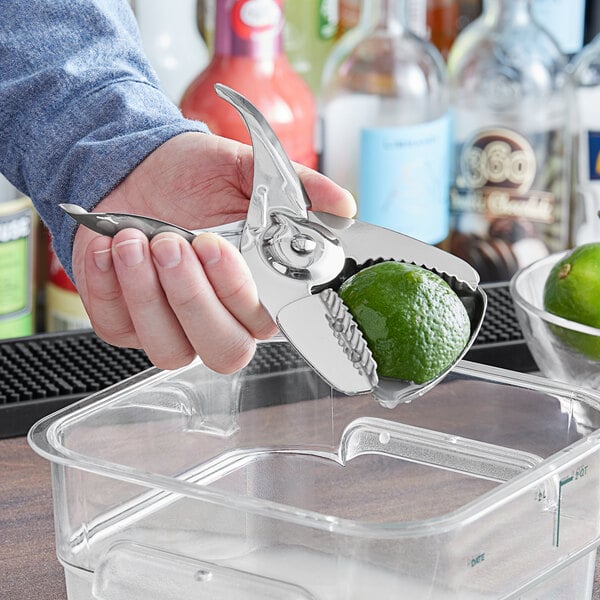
(413, 321)
(572, 291)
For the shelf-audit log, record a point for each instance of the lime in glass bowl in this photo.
(554, 342)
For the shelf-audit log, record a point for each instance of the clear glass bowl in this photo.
(548, 335)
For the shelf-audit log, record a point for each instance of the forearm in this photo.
(80, 107)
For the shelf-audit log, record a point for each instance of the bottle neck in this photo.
(250, 28)
(506, 11)
(384, 15)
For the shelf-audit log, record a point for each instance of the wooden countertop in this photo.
(29, 568)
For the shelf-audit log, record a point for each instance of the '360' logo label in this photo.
(497, 171)
(499, 158)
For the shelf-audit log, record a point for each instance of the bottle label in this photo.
(64, 310)
(509, 204)
(64, 307)
(17, 250)
(593, 158)
(585, 221)
(328, 19)
(255, 28)
(404, 178)
(586, 173)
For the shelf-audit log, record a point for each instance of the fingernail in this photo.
(352, 199)
(167, 252)
(209, 249)
(130, 252)
(103, 259)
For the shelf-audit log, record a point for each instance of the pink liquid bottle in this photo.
(248, 57)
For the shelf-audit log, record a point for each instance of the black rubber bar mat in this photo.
(43, 373)
(500, 341)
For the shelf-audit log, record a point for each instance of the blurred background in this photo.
(469, 125)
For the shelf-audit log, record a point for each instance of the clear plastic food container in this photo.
(265, 485)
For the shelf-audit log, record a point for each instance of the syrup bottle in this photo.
(248, 56)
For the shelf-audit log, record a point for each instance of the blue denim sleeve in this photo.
(80, 107)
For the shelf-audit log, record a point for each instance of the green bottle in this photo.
(311, 30)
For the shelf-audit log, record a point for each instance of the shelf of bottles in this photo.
(471, 124)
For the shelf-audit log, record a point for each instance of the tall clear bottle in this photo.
(510, 98)
(386, 130)
(586, 155)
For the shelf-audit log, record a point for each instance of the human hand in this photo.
(174, 299)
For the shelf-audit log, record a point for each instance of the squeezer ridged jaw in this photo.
(349, 335)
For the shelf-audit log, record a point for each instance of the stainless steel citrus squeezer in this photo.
(298, 259)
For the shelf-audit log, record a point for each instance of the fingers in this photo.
(210, 322)
(103, 297)
(156, 325)
(175, 300)
(232, 281)
(325, 195)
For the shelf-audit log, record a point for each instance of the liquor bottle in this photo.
(564, 19)
(415, 12)
(356, 25)
(510, 96)
(592, 21)
(311, 31)
(64, 308)
(171, 42)
(443, 17)
(18, 253)
(205, 14)
(386, 130)
(349, 15)
(468, 11)
(248, 57)
(586, 151)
